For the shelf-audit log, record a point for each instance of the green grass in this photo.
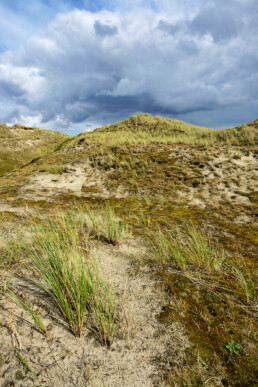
(107, 225)
(29, 309)
(145, 129)
(210, 291)
(25, 364)
(192, 249)
(53, 168)
(67, 271)
(103, 308)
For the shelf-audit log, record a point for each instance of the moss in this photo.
(210, 323)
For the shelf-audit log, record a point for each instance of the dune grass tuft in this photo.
(193, 249)
(107, 225)
(68, 274)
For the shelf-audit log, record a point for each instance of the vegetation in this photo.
(195, 249)
(27, 366)
(30, 310)
(233, 347)
(68, 274)
(107, 226)
(145, 129)
(64, 267)
(201, 254)
(54, 169)
(20, 144)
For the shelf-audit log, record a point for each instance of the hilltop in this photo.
(167, 212)
(20, 144)
(144, 128)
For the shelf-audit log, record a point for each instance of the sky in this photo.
(74, 65)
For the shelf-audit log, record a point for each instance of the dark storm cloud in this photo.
(196, 63)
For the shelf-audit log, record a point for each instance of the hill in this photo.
(20, 144)
(146, 129)
(140, 237)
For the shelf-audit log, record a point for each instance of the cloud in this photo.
(104, 29)
(196, 62)
(169, 28)
(220, 25)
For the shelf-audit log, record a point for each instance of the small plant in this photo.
(107, 226)
(103, 309)
(233, 347)
(96, 221)
(26, 365)
(29, 309)
(114, 228)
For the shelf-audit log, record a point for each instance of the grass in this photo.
(107, 225)
(65, 268)
(206, 278)
(25, 364)
(192, 249)
(53, 168)
(1, 236)
(26, 145)
(145, 129)
(67, 271)
(30, 310)
(247, 284)
(10, 251)
(103, 308)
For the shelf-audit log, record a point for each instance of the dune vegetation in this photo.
(21, 144)
(128, 257)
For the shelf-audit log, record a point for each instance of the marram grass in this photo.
(107, 226)
(191, 250)
(70, 276)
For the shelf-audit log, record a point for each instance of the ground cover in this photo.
(171, 225)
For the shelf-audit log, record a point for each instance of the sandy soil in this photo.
(227, 176)
(79, 179)
(65, 360)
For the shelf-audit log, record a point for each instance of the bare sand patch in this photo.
(79, 179)
(227, 177)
